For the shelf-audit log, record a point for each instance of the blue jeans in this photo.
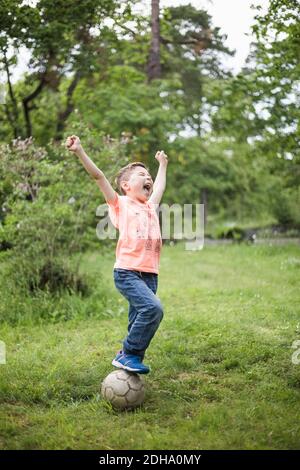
(145, 309)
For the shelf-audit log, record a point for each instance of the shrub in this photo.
(286, 207)
(48, 214)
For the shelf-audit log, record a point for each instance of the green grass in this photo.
(222, 375)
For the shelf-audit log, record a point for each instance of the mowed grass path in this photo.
(222, 375)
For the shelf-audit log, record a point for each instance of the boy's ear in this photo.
(125, 186)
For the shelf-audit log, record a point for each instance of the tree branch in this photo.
(15, 118)
(126, 28)
(26, 102)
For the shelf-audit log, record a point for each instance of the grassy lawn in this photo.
(222, 375)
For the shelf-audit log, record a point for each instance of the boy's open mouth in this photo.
(147, 186)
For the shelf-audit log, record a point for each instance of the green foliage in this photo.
(224, 175)
(147, 114)
(231, 232)
(259, 109)
(48, 214)
(191, 50)
(93, 83)
(286, 207)
(277, 78)
(63, 38)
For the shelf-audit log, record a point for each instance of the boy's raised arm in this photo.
(74, 145)
(161, 177)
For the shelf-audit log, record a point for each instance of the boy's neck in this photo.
(136, 199)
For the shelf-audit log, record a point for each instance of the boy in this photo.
(138, 249)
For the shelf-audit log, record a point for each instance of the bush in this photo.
(21, 306)
(52, 276)
(231, 233)
(286, 207)
(48, 214)
(47, 221)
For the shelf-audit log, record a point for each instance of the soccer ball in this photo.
(124, 390)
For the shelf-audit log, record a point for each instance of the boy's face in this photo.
(139, 186)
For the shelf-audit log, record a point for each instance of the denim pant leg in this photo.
(139, 289)
(151, 282)
(132, 313)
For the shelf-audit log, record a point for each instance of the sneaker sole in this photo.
(130, 369)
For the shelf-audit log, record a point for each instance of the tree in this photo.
(261, 105)
(277, 54)
(61, 37)
(192, 48)
(154, 69)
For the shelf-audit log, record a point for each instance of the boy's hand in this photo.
(73, 143)
(161, 157)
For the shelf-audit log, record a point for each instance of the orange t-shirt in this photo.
(139, 243)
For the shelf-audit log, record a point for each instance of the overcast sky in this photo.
(234, 17)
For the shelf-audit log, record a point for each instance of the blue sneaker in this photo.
(130, 362)
(119, 354)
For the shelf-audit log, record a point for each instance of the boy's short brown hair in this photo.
(124, 174)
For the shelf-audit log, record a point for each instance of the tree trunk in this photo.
(13, 117)
(47, 78)
(27, 107)
(153, 67)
